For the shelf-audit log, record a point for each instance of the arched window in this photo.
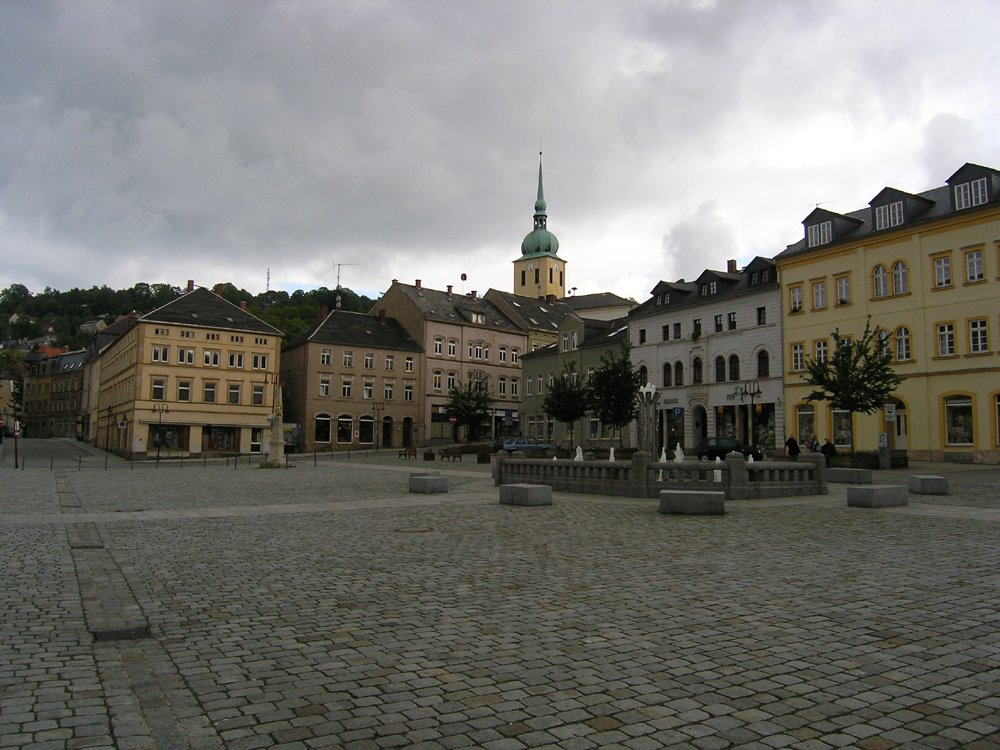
(345, 428)
(643, 375)
(883, 343)
(366, 429)
(734, 367)
(323, 423)
(668, 374)
(679, 373)
(763, 364)
(696, 374)
(902, 344)
(900, 278)
(880, 281)
(720, 369)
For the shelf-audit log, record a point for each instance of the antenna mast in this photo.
(339, 266)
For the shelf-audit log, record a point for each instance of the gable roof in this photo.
(345, 328)
(582, 302)
(458, 309)
(202, 308)
(530, 312)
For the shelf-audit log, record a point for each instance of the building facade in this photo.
(713, 349)
(926, 268)
(354, 381)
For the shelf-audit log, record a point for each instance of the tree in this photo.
(470, 404)
(567, 399)
(858, 377)
(614, 386)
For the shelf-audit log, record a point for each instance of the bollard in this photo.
(79, 463)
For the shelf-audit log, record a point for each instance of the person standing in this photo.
(829, 450)
(792, 448)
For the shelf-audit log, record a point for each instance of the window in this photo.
(720, 369)
(514, 353)
(530, 386)
(322, 422)
(387, 390)
(761, 316)
(407, 391)
(501, 386)
(211, 358)
(696, 370)
(841, 419)
(236, 360)
(452, 347)
(452, 379)
(438, 345)
(798, 357)
(643, 376)
(234, 393)
(665, 333)
(819, 295)
(978, 337)
(390, 362)
(795, 298)
(942, 271)
(345, 388)
(900, 278)
(970, 194)
(208, 393)
(946, 339)
(642, 335)
(677, 330)
(668, 375)
(183, 390)
(503, 353)
(731, 321)
(159, 390)
(805, 423)
(843, 290)
(974, 266)
(436, 379)
(324, 387)
(477, 350)
(880, 281)
(348, 359)
(679, 374)
(958, 420)
(185, 356)
(890, 215)
(734, 367)
(820, 234)
(408, 364)
(259, 362)
(257, 395)
(345, 428)
(514, 389)
(161, 353)
(369, 360)
(821, 351)
(366, 429)
(902, 344)
(324, 359)
(367, 389)
(696, 328)
(763, 364)
(718, 323)
(540, 386)
(882, 339)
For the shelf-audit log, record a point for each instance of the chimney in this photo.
(190, 285)
(324, 310)
(551, 298)
(381, 316)
(417, 285)
(449, 289)
(473, 294)
(218, 289)
(243, 305)
(731, 265)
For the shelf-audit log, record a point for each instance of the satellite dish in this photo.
(464, 277)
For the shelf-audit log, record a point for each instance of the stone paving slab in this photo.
(361, 617)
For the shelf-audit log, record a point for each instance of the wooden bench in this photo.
(408, 453)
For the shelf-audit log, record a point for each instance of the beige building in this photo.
(354, 381)
(926, 267)
(197, 376)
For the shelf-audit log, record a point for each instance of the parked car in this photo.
(525, 444)
(717, 447)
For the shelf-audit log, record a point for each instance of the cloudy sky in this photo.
(213, 140)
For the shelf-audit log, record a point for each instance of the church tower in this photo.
(540, 272)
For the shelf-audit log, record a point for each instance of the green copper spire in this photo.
(540, 203)
(540, 239)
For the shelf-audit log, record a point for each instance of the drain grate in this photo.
(106, 635)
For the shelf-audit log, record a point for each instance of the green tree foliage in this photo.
(568, 399)
(470, 404)
(614, 386)
(858, 377)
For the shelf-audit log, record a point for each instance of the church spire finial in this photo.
(540, 201)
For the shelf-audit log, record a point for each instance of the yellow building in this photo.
(926, 267)
(197, 376)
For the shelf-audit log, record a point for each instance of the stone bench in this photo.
(928, 484)
(844, 475)
(525, 494)
(692, 502)
(877, 496)
(428, 484)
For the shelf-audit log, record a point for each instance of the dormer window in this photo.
(969, 194)
(819, 234)
(478, 318)
(889, 215)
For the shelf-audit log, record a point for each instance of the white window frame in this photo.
(975, 270)
(979, 337)
(942, 272)
(946, 339)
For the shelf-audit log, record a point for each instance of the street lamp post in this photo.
(751, 389)
(160, 408)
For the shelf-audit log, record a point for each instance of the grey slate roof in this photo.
(345, 328)
(591, 301)
(202, 308)
(70, 361)
(456, 308)
(536, 314)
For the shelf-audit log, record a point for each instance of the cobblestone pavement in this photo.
(324, 606)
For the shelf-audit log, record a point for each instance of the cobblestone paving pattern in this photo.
(595, 622)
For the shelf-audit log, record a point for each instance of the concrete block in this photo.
(877, 496)
(692, 502)
(525, 494)
(844, 475)
(428, 484)
(928, 484)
